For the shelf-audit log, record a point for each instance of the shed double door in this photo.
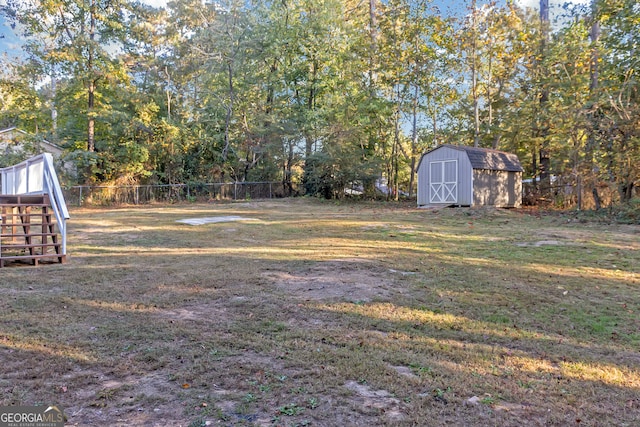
(443, 181)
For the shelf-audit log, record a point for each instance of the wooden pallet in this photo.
(28, 230)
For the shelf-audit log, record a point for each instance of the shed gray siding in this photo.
(464, 179)
(502, 189)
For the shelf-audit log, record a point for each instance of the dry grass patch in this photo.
(318, 313)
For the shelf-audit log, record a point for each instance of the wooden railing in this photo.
(38, 176)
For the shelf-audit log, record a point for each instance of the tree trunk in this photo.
(545, 158)
(414, 138)
(626, 191)
(496, 141)
(434, 126)
(288, 170)
(374, 41)
(545, 165)
(168, 92)
(474, 79)
(594, 35)
(534, 166)
(592, 114)
(91, 145)
(392, 183)
(596, 197)
(309, 140)
(227, 123)
(579, 191)
(54, 111)
(489, 97)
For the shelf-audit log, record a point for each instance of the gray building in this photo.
(469, 176)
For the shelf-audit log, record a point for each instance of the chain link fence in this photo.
(570, 194)
(103, 195)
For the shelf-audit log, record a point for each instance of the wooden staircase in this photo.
(28, 230)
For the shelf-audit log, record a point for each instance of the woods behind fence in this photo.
(142, 194)
(559, 195)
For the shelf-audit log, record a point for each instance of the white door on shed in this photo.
(443, 181)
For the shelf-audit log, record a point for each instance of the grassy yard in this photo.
(312, 313)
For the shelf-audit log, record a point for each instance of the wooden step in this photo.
(24, 205)
(35, 259)
(27, 230)
(24, 200)
(28, 245)
(29, 248)
(28, 213)
(14, 235)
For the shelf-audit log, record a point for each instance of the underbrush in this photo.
(625, 213)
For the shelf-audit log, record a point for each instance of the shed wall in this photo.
(464, 180)
(497, 188)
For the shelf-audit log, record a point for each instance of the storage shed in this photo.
(469, 176)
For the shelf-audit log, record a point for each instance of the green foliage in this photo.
(329, 172)
(629, 212)
(291, 410)
(21, 104)
(20, 149)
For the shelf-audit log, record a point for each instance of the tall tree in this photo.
(72, 38)
(619, 88)
(593, 113)
(542, 130)
(21, 104)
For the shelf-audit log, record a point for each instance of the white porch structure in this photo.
(30, 194)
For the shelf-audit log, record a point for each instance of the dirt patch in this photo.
(352, 280)
(205, 313)
(368, 399)
(150, 399)
(516, 408)
(93, 398)
(405, 371)
(214, 219)
(540, 243)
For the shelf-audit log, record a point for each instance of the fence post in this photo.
(80, 198)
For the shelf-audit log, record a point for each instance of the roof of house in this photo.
(13, 129)
(487, 159)
(20, 131)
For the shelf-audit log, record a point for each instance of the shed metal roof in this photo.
(487, 159)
